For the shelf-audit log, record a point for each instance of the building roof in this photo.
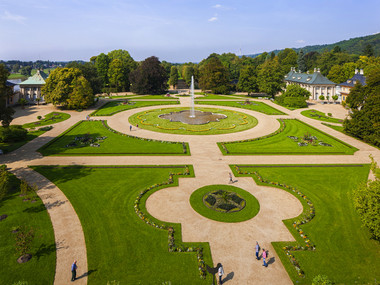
(315, 78)
(352, 81)
(10, 84)
(36, 79)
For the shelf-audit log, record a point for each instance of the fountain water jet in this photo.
(192, 112)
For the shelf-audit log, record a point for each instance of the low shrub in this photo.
(13, 133)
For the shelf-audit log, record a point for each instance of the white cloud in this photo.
(217, 6)
(213, 19)
(300, 42)
(12, 17)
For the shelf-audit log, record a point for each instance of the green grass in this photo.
(344, 251)
(250, 210)
(215, 96)
(337, 128)
(114, 107)
(41, 268)
(235, 122)
(254, 106)
(49, 119)
(17, 76)
(8, 147)
(279, 143)
(114, 144)
(156, 97)
(121, 246)
(316, 115)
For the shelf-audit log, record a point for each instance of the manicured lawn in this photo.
(156, 97)
(215, 96)
(254, 106)
(250, 210)
(235, 122)
(344, 251)
(280, 143)
(114, 144)
(117, 106)
(8, 147)
(41, 268)
(49, 119)
(317, 115)
(121, 246)
(337, 128)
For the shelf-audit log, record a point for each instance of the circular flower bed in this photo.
(154, 120)
(224, 203)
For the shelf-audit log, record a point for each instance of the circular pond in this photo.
(207, 121)
(224, 203)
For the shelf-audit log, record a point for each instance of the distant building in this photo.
(12, 100)
(30, 89)
(344, 88)
(315, 83)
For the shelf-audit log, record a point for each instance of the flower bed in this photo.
(304, 218)
(172, 246)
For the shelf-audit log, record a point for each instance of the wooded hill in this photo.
(351, 46)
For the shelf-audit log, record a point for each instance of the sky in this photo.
(176, 30)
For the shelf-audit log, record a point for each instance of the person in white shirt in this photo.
(220, 273)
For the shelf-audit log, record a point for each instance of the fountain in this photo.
(192, 112)
(192, 117)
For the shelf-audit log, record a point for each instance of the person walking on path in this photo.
(74, 267)
(231, 181)
(130, 127)
(264, 258)
(257, 249)
(220, 273)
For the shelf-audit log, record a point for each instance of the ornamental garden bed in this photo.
(253, 105)
(96, 138)
(49, 119)
(114, 107)
(235, 122)
(224, 203)
(120, 233)
(293, 137)
(326, 192)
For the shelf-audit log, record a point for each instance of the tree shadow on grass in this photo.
(44, 250)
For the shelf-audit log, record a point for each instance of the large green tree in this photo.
(149, 78)
(173, 79)
(367, 203)
(6, 112)
(187, 72)
(287, 59)
(89, 72)
(270, 77)
(340, 73)
(101, 63)
(67, 87)
(213, 75)
(364, 102)
(295, 96)
(301, 61)
(118, 75)
(248, 79)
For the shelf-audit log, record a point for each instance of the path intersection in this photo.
(232, 244)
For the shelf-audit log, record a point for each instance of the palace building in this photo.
(315, 83)
(344, 88)
(30, 89)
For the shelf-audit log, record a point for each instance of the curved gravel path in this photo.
(231, 244)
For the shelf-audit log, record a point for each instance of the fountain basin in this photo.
(199, 118)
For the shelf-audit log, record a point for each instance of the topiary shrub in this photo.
(295, 102)
(13, 133)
